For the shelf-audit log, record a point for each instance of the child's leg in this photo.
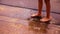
(40, 4)
(38, 15)
(47, 2)
(47, 18)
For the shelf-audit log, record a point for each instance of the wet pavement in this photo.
(10, 25)
(13, 20)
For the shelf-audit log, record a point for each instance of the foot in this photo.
(36, 16)
(45, 19)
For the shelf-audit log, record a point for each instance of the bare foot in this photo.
(45, 19)
(36, 16)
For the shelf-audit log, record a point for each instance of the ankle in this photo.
(39, 14)
(48, 17)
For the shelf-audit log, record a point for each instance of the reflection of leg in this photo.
(40, 4)
(47, 8)
(43, 27)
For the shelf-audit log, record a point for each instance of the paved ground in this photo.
(10, 25)
(13, 21)
(21, 12)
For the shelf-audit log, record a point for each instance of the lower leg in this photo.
(47, 8)
(38, 15)
(47, 18)
(40, 4)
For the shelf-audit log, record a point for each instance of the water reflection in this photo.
(38, 26)
(20, 26)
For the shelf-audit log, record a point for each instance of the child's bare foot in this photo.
(36, 16)
(45, 19)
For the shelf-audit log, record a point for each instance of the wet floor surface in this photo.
(19, 26)
(14, 20)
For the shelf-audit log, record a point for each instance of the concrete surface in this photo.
(13, 21)
(10, 25)
(16, 12)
